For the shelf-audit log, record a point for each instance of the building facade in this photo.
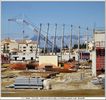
(21, 50)
(7, 45)
(27, 46)
(99, 61)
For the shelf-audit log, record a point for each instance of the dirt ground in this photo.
(54, 93)
(63, 85)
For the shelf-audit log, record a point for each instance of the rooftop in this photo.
(24, 41)
(8, 40)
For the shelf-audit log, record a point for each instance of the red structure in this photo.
(69, 65)
(100, 58)
(18, 66)
(99, 38)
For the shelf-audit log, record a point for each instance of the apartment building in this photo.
(7, 45)
(27, 46)
(21, 49)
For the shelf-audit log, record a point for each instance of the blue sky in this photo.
(85, 14)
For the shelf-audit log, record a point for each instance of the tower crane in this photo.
(33, 28)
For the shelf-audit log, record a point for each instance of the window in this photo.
(7, 46)
(23, 58)
(24, 50)
(14, 53)
(23, 53)
(31, 47)
(24, 47)
(31, 58)
(15, 58)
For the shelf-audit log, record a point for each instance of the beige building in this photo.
(27, 46)
(99, 38)
(20, 49)
(8, 44)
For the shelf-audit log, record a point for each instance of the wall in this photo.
(48, 60)
(27, 48)
(99, 39)
(99, 36)
(13, 45)
(100, 58)
(21, 55)
(66, 57)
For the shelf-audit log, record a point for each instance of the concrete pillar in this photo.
(93, 63)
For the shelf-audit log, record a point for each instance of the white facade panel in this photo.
(20, 56)
(53, 60)
(99, 37)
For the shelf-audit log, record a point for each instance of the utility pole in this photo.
(47, 37)
(53, 46)
(78, 43)
(46, 44)
(23, 32)
(61, 48)
(87, 39)
(79, 39)
(70, 44)
(94, 37)
(54, 41)
(39, 34)
(63, 36)
(94, 32)
(38, 39)
(62, 41)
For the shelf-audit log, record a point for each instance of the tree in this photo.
(75, 46)
(82, 46)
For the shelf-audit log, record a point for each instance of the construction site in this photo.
(52, 59)
(52, 68)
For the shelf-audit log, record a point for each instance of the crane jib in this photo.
(31, 27)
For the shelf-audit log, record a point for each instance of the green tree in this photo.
(75, 46)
